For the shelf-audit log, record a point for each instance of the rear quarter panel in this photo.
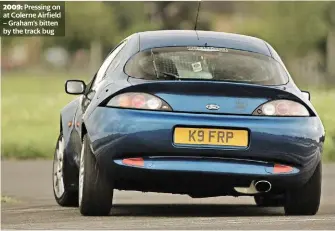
(67, 115)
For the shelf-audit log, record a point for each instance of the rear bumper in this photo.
(120, 133)
(202, 177)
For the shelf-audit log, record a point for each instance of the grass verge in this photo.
(324, 103)
(31, 107)
(8, 200)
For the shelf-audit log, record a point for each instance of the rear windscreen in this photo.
(206, 63)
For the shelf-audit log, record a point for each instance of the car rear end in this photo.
(206, 122)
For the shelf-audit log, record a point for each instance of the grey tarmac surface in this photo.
(30, 183)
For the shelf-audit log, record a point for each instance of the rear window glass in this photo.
(205, 63)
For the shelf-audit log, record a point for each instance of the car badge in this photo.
(212, 107)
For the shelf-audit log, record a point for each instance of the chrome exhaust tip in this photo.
(256, 187)
(263, 186)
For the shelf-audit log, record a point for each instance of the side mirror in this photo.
(306, 95)
(75, 87)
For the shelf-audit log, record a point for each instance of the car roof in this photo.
(166, 38)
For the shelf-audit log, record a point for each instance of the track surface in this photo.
(30, 182)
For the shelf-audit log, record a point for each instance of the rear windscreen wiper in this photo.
(167, 74)
(158, 73)
(154, 63)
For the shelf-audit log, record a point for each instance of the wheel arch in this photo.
(60, 124)
(67, 116)
(83, 130)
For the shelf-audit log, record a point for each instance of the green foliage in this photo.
(179, 15)
(110, 22)
(106, 22)
(330, 14)
(293, 28)
(131, 17)
(90, 21)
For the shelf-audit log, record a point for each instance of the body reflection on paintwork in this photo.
(272, 139)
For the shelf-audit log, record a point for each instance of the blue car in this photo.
(199, 113)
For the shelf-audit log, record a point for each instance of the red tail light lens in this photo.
(138, 100)
(281, 108)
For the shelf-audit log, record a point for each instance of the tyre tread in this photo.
(97, 191)
(305, 200)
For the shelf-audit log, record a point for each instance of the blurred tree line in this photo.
(293, 28)
(110, 22)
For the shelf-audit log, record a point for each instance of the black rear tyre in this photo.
(305, 200)
(95, 191)
(68, 197)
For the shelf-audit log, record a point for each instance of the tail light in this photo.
(138, 100)
(281, 108)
